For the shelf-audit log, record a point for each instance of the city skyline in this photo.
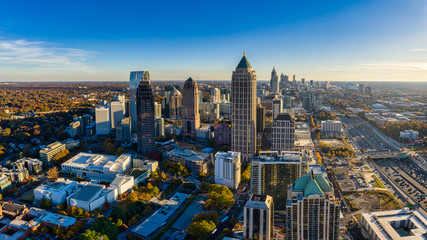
(325, 41)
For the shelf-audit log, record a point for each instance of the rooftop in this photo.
(188, 155)
(310, 184)
(284, 117)
(87, 192)
(59, 220)
(244, 63)
(97, 162)
(275, 157)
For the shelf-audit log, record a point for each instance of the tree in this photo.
(246, 174)
(154, 175)
(201, 229)
(220, 197)
(52, 174)
(163, 176)
(92, 235)
(131, 198)
(120, 151)
(80, 212)
(210, 216)
(104, 225)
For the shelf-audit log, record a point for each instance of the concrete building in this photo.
(215, 95)
(57, 191)
(409, 134)
(159, 126)
(394, 224)
(123, 183)
(134, 80)
(97, 166)
(227, 169)
(191, 115)
(32, 164)
(277, 107)
(157, 110)
(274, 82)
(92, 196)
(47, 153)
(173, 130)
(258, 217)
(116, 113)
(5, 183)
(145, 116)
(243, 96)
(145, 164)
(123, 131)
(222, 133)
(175, 104)
(204, 133)
(331, 126)
(193, 160)
(283, 133)
(312, 211)
(74, 128)
(271, 173)
(102, 119)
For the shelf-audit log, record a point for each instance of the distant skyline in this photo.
(365, 40)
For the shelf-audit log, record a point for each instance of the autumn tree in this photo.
(52, 174)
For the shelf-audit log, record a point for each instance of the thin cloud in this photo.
(384, 66)
(419, 50)
(42, 55)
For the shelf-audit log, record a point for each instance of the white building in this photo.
(302, 134)
(329, 126)
(97, 166)
(92, 196)
(145, 164)
(258, 217)
(47, 153)
(74, 128)
(57, 192)
(123, 183)
(409, 134)
(394, 224)
(159, 125)
(157, 110)
(215, 95)
(227, 169)
(204, 133)
(116, 111)
(102, 119)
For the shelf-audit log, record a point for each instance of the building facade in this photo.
(145, 116)
(258, 217)
(277, 104)
(274, 82)
(116, 112)
(175, 104)
(260, 119)
(47, 153)
(103, 121)
(243, 97)
(283, 133)
(191, 115)
(227, 169)
(134, 80)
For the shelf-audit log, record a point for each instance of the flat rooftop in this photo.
(59, 220)
(87, 192)
(97, 162)
(188, 155)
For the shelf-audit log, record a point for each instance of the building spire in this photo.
(244, 54)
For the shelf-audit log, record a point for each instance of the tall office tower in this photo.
(215, 95)
(311, 82)
(191, 115)
(294, 80)
(316, 99)
(225, 94)
(258, 217)
(227, 169)
(271, 173)
(361, 89)
(157, 110)
(274, 82)
(283, 83)
(145, 115)
(175, 104)
(123, 131)
(243, 98)
(303, 81)
(122, 99)
(277, 107)
(159, 127)
(283, 133)
(102, 119)
(312, 211)
(368, 90)
(260, 118)
(134, 80)
(116, 111)
(200, 97)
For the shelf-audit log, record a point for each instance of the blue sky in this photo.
(366, 40)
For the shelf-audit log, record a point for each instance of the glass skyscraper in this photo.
(134, 80)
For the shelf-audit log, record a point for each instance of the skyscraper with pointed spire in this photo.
(191, 116)
(274, 82)
(145, 115)
(243, 97)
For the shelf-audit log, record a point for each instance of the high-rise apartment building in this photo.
(102, 119)
(284, 80)
(283, 133)
(159, 125)
(258, 217)
(191, 115)
(260, 118)
(116, 112)
(277, 107)
(157, 110)
(274, 82)
(312, 211)
(272, 172)
(215, 95)
(145, 115)
(175, 104)
(134, 80)
(243, 97)
(227, 169)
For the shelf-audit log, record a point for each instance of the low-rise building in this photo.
(409, 134)
(57, 192)
(32, 164)
(195, 161)
(123, 183)
(204, 133)
(47, 153)
(331, 126)
(140, 175)
(97, 166)
(173, 130)
(145, 164)
(92, 196)
(5, 183)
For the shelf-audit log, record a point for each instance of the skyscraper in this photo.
(145, 115)
(215, 95)
(116, 111)
(271, 173)
(134, 80)
(277, 107)
(283, 133)
(274, 82)
(175, 104)
(227, 169)
(260, 119)
(258, 217)
(312, 211)
(243, 97)
(191, 115)
(102, 119)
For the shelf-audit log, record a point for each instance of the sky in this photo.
(351, 40)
